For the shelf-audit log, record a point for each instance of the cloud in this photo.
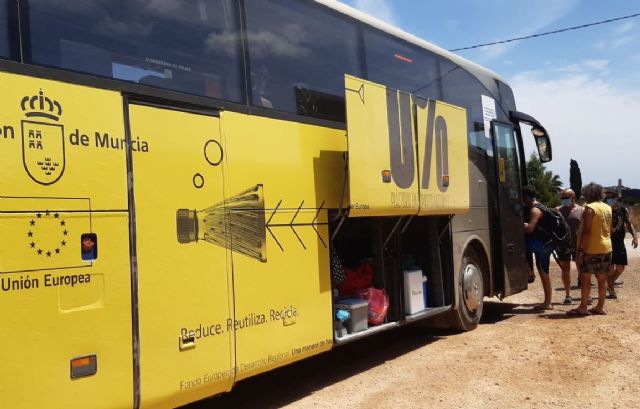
(594, 67)
(597, 65)
(381, 9)
(534, 20)
(530, 18)
(588, 120)
(290, 41)
(624, 27)
(613, 44)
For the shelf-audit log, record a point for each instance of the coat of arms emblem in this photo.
(42, 139)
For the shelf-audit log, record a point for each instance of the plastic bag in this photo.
(378, 304)
(358, 278)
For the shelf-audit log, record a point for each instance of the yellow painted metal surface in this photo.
(283, 303)
(182, 238)
(402, 153)
(63, 171)
(231, 231)
(443, 157)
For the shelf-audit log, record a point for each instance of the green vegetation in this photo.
(547, 184)
(575, 178)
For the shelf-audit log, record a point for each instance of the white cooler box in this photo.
(413, 292)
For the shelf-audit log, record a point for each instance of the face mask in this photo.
(611, 202)
(565, 202)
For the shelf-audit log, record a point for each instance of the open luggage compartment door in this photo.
(400, 148)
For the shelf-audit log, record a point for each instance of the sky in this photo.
(582, 85)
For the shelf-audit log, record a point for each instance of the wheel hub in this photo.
(472, 287)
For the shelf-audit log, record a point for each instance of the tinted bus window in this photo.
(5, 51)
(190, 46)
(299, 54)
(463, 89)
(506, 97)
(400, 65)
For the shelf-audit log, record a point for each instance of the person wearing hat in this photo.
(618, 231)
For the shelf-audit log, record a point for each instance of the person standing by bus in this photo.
(594, 249)
(572, 214)
(619, 251)
(538, 243)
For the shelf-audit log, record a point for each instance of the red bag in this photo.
(358, 278)
(378, 304)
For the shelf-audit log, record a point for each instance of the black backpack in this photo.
(555, 227)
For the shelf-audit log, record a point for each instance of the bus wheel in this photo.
(470, 292)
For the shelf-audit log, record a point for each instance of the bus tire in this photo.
(470, 289)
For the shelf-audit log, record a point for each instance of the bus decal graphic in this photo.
(43, 151)
(293, 224)
(436, 132)
(47, 234)
(237, 223)
(401, 144)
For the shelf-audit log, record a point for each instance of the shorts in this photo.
(565, 254)
(619, 255)
(596, 263)
(542, 252)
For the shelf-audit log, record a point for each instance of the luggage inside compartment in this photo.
(394, 264)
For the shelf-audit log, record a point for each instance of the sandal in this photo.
(593, 311)
(543, 307)
(577, 313)
(531, 279)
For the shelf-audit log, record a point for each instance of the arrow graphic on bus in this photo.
(293, 224)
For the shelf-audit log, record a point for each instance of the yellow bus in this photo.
(196, 192)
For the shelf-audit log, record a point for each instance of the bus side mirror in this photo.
(543, 143)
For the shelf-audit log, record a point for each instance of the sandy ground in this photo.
(517, 358)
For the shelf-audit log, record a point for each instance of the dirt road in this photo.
(517, 358)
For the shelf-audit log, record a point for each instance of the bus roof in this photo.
(478, 71)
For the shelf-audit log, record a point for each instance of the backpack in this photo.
(555, 227)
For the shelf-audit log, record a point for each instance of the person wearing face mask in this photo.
(572, 214)
(618, 231)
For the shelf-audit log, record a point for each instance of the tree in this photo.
(547, 184)
(575, 178)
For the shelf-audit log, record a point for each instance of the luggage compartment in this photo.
(406, 257)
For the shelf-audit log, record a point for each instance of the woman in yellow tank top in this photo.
(594, 249)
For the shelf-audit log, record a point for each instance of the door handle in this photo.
(511, 249)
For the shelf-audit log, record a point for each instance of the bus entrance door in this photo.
(186, 348)
(509, 207)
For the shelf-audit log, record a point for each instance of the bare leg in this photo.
(602, 291)
(585, 291)
(616, 271)
(546, 286)
(565, 266)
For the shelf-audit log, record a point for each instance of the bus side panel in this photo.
(186, 347)
(63, 176)
(283, 309)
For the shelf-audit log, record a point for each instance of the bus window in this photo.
(463, 89)
(299, 54)
(399, 65)
(508, 167)
(189, 46)
(4, 29)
